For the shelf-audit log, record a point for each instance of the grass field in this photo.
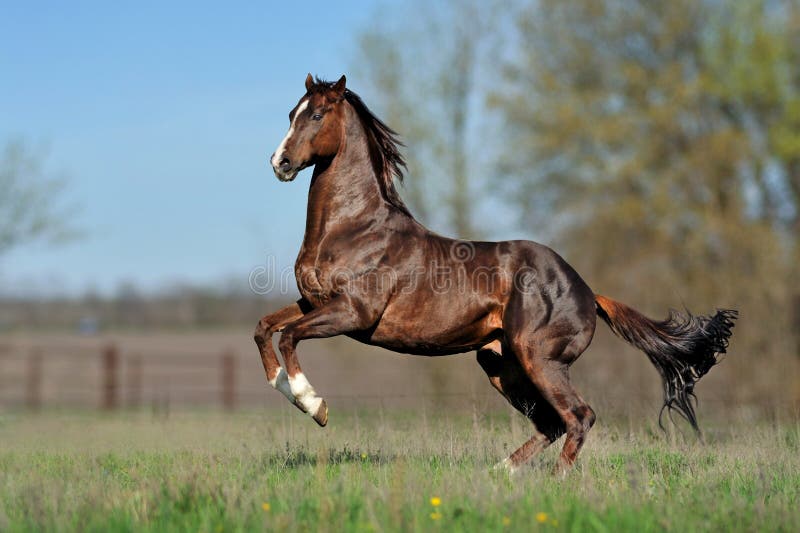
(384, 471)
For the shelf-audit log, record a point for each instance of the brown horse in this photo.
(367, 269)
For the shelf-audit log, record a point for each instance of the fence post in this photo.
(110, 362)
(34, 385)
(228, 380)
(134, 374)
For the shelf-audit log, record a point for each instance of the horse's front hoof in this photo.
(297, 404)
(321, 416)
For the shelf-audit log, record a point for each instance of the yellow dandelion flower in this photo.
(436, 501)
(506, 521)
(363, 455)
(541, 517)
(266, 506)
(436, 516)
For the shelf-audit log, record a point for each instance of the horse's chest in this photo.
(321, 274)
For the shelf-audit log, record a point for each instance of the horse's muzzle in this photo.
(283, 169)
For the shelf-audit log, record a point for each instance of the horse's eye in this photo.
(316, 116)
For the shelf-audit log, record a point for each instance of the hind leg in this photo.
(508, 377)
(546, 362)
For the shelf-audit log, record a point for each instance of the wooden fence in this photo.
(224, 371)
(110, 379)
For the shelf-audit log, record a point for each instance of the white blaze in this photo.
(305, 394)
(276, 159)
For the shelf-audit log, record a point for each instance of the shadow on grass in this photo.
(293, 457)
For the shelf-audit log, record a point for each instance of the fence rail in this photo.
(122, 378)
(108, 377)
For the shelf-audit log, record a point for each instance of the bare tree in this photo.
(423, 77)
(31, 201)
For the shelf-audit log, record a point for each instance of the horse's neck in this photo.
(346, 188)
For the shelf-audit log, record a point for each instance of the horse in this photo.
(369, 270)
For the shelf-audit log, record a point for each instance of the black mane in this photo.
(384, 145)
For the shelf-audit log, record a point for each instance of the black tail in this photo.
(683, 348)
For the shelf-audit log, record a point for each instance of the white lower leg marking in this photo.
(276, 159)
(281, 382)
(305, 394)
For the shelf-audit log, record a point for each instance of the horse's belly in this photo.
(436, 328)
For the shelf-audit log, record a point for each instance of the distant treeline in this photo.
(185, 307)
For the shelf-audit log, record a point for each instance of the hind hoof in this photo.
(321, 416)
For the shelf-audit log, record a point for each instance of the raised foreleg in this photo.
(266, 327)
(343, 314)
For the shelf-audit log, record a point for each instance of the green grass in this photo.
(377, 472)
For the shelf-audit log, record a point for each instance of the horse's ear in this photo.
(309, 82)
(338, 87)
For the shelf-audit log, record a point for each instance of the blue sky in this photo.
(162, 116)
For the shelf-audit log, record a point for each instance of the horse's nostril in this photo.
(285, 164)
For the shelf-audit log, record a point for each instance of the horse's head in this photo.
(315, 129)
